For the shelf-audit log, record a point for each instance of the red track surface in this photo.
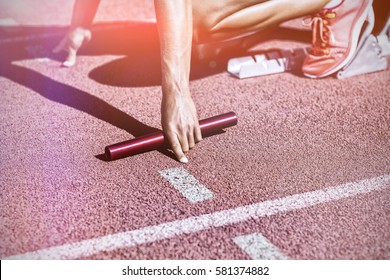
(295, 135)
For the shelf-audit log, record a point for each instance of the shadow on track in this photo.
(137, 41)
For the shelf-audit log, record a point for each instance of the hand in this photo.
(180, 124)
(71, 43)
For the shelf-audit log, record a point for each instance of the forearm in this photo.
(84, 12)
(174, 22)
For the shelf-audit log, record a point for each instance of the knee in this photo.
(202, 28)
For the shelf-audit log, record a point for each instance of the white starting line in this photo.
(204, 222)
(187, 184)
(9, 25)
(258, 247)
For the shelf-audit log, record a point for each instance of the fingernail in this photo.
(184, 160)
(67, 63)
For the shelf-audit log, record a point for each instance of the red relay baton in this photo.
(157, 139)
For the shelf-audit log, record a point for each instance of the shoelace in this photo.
(321, 31)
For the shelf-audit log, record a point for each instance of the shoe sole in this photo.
(355, 37)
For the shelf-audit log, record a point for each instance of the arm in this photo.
(84, 12)
(178, 113)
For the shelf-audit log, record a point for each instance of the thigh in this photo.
(223, 19)
(208, 13)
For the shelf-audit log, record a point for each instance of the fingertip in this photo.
(87, 35)
(67, 63)
(70, 60)
(198, 133)
(198, 137)
(183, 159)
(176, 148)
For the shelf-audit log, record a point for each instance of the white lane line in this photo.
(9, 25)
(49, 34)
(187, 184)
(204, 222)
(258, 247)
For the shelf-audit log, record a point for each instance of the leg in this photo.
(83, 14)
(220, 20)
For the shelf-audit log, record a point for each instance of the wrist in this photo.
(174, 87)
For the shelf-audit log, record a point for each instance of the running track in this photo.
(304, 175)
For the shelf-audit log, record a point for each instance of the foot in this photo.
(336, 33)
(71, 43)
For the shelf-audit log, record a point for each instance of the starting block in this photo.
(370, 57)
(370, 52)
(272, 62)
